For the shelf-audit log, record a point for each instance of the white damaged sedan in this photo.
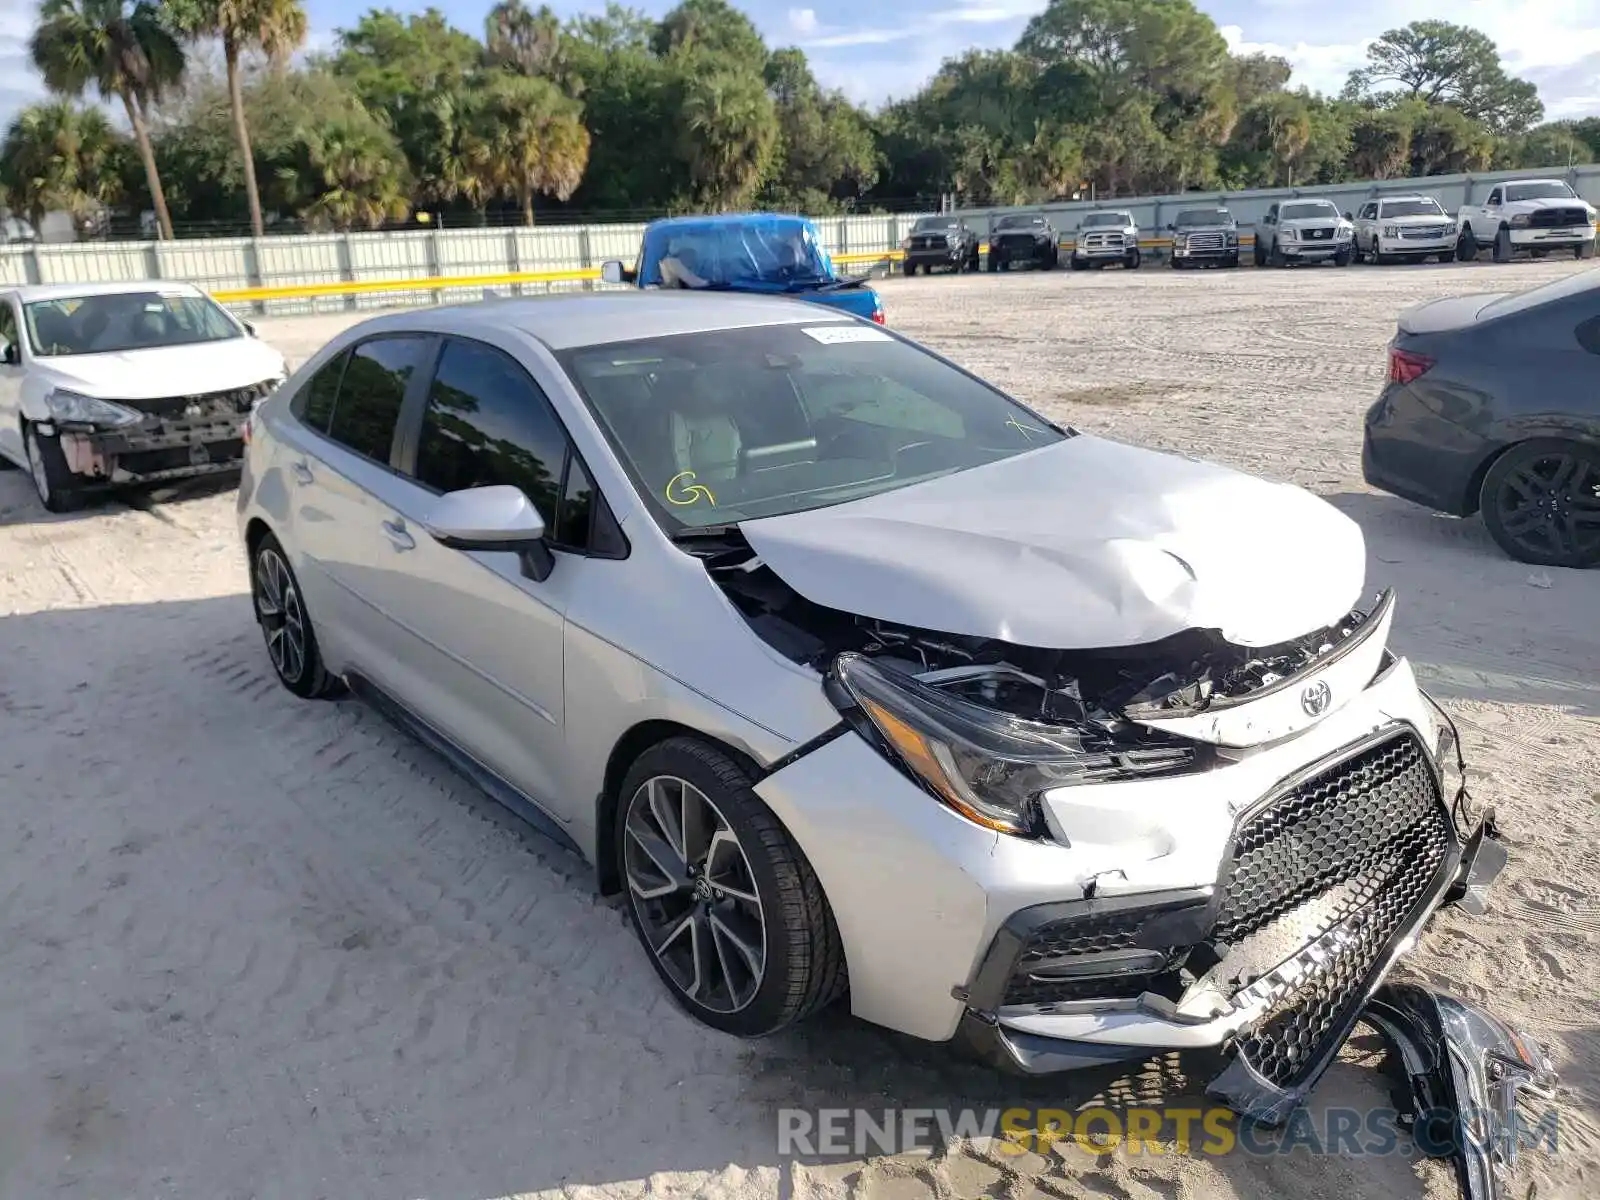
(860, 678)
(123, 383)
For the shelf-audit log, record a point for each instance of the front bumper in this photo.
(1109, 253)
(1207, 254)
(1552, 239)
(1056, 954)
(1401, 247)
(154, 451)
(937, 258)
(1318, 251)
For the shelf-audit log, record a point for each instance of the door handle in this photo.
(302, 473)
(398, 537)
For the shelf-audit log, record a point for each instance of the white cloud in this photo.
(803, 20)
(1322, 68)
(996, 12)
(19, 85)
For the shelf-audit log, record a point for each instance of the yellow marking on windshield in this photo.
(690, 493)
(1026, 431)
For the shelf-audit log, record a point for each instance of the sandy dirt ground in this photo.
(251, 947)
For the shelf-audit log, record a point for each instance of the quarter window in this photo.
(314, 403)
(372, 391)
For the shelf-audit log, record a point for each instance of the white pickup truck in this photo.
(1534, 216)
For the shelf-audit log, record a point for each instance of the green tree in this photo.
(826, 150)
(1557, 144)
(528, 139)
(1380, 144)
(1440, 63)
(349, 174)
(1445, 141)
(59, 157)
(713, 28)
(276, 28)
(126, 51)
(530, 42)
(728, 136)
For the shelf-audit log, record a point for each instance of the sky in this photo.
(886, 50)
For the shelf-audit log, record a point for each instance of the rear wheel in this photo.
(725, 904)
(1467, 246)
(48, 465)
(281, 613)
(1541, 503)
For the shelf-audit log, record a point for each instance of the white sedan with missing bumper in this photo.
(109, 384)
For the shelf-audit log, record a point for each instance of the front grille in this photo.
(1070, 938)
(929, 241)
(1017, 243)
(1558, 218)
(1204, 241)
(1102, 240)
(180, 458)
(202, 406)
(1353, 850)
(1426, 231)
(1319, 234)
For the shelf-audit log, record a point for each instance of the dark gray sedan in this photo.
(1493, 405)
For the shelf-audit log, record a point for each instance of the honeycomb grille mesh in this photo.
(1065, 939)
(1325, 832)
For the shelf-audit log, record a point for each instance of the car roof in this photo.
(1403, 196)
(30, 292)
(572, 320)
(715, 219)
(1514, 182)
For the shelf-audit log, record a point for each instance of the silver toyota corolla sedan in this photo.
(859, 677)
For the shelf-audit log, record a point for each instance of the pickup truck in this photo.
(1204, 235)
(1106, 237)
(1532, 216)
(943, 241)
(768, 254)
(1302, 231)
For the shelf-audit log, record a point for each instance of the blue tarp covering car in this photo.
(768, 253)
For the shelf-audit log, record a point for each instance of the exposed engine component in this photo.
(1184, 672)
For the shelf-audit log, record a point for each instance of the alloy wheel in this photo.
(282, 617)
(693, 894)
(1549, 505)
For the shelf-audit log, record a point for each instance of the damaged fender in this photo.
(1466, 1070)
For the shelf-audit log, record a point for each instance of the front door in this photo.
(485, 640)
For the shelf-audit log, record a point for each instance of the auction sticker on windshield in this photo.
(833, 335)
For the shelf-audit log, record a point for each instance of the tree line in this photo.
(616, 112)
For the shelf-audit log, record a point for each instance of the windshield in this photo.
(1205, 216)
(1100, 219)
(1321, 210)
(933, 224)
(108, 323)
(779, 252)
(1023, 222)
(1413, 208)
(1549, 190)
(732, 425)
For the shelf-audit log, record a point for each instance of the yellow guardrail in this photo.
(435, 283)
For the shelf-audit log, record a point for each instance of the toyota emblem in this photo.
(1316, 698)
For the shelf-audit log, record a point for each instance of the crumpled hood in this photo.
(1082, 544)
(165, 370)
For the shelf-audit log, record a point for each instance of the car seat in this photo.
(704, 436)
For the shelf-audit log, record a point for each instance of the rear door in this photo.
(483, 658)
(10, 379)
(348, 544)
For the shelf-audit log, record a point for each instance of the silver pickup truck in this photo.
(1106, 237)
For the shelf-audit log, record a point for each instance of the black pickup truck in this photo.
(943, 241)
(1022, 238)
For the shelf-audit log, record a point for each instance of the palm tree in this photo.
(354, 174)
(730, 132)
(275, 27)
(58, 157)
(528, 139)
(125, 50)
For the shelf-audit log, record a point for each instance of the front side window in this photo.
(487, 423)
(1494, 197)
(1548, 190)
(1368, 211)
(1423, 207)
(114, 322)
(371, 392)
(732, 425)
(1321, 210)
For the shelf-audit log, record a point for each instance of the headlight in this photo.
(905, 243)
(86, 410)
(987, 764)
(1291, 235)
(1520, 220)
(1233, 237)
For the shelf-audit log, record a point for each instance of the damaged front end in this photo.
(150, 440)
(1464, 1072)
(1325, 878)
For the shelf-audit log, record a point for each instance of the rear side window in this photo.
(372, 391)
(314, 403)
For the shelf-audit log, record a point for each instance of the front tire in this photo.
(1541, 503)
(1584, 251)
(1341, 258)
(52, 481)
(1467, 246)
(1503, 250)
(726, 906)
(910, 268)
(1134, 258)
(281, 612)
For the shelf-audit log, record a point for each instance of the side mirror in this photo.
(10, 356)
(492, 518)
(249, 328)
(611, 272)
(1171, 228)
(1348, 217)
